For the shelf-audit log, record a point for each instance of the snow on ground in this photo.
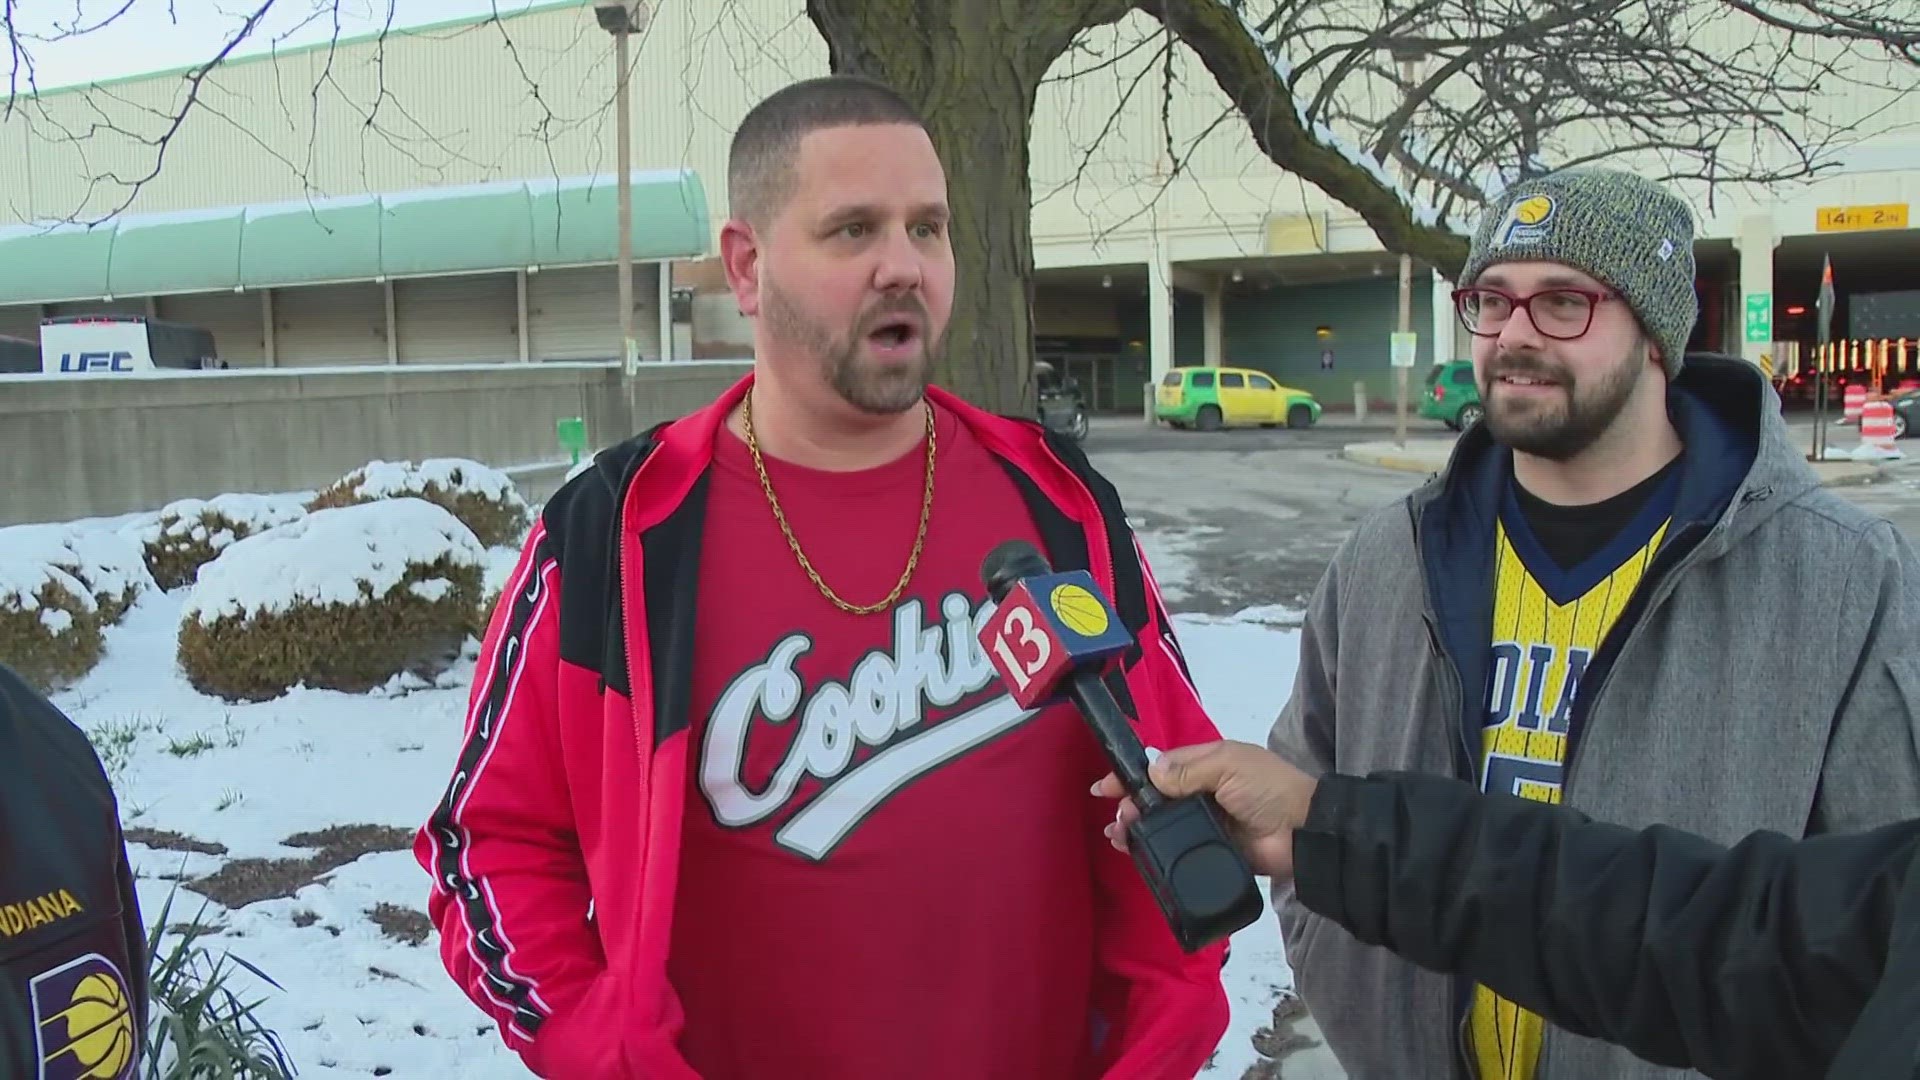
(357, 1002)
(1244, 670)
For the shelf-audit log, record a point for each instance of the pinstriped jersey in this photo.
(1548, 622)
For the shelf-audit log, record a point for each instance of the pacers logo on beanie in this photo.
(1628, 232)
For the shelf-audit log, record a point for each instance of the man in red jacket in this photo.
(740, 795)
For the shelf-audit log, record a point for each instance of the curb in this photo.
(1400, 460)
(1872, 475)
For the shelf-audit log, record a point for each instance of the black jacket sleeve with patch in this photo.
(1772, 958)
(73, 954)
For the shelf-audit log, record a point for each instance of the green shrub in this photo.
(484, 499)
(343, 599)
(109, 564)
(49, 623)
(191, 533)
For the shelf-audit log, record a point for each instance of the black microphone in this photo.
(1203, 885)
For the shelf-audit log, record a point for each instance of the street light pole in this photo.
(621, 20)
(625, 154)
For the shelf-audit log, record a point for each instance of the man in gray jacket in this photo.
(1627, 522)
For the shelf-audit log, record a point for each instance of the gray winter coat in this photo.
(1766, 676)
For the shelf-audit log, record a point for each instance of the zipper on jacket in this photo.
(1461, 1043)
(1453, 686)
(616, 563)
(641, 737)
(1453, 696)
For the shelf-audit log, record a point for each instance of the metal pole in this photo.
(1400, 373)
(1823, 308)
(1407, 63)
(624, 140)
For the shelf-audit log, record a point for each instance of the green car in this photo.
(1211, 398)
(1452, 397)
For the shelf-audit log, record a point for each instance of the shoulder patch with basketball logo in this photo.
(1526, 221)
(83, 1021)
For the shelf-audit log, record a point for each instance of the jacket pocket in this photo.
(1300, 931)
(67, 1009)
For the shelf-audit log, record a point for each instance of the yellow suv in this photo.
(1211, 398)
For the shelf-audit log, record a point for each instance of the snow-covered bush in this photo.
(49, 622)
(109, 564)
(191, 533)
(484, 499)
(344, 598)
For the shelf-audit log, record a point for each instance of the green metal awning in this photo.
(504, 226)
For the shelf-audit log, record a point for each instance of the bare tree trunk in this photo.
(972, 68)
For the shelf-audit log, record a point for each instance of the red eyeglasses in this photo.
(1560, 313)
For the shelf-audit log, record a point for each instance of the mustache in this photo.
(909, 307)
(1526, 365)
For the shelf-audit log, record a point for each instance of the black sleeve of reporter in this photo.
(1742, 962)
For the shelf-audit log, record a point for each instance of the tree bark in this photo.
(973, 69)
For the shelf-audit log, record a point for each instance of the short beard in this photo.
(877, 392)
(1564, 432)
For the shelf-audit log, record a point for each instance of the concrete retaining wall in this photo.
(98, 446)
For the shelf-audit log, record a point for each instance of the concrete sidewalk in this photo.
(1429, 455)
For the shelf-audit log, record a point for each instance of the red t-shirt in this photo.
(886, 871)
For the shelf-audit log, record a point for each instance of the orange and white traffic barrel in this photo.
(1876, 425)
(1856, 400)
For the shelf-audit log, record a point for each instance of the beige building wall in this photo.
(531, 96)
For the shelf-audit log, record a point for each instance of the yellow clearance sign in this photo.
(1859, 218)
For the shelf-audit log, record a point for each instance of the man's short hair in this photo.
(760, 161)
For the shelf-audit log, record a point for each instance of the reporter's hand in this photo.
(1263, 796)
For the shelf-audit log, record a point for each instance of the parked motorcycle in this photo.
(1062, 407)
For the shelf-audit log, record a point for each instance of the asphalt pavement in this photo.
(1250, 518)
(1239, 519)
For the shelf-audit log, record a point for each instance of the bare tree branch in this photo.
(1505, 88)
(1864, 23)
(111, 123)
(1245, 73)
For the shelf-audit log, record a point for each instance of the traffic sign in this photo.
(1859, 218)
(1406, 348)
(1759, 317)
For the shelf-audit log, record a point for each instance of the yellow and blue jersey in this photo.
(1548, 622)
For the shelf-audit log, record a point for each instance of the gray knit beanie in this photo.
(1626, 231)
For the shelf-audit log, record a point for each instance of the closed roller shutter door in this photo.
(21, 320)
(234, 319)
(469, 319)
(330, 324)
(574, 313)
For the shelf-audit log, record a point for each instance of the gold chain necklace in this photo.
(919, 540)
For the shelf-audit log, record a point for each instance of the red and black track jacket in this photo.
(555, 848)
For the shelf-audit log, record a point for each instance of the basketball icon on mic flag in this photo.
(1048, 625)
(1079, 610)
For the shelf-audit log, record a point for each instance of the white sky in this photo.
(158, 35)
